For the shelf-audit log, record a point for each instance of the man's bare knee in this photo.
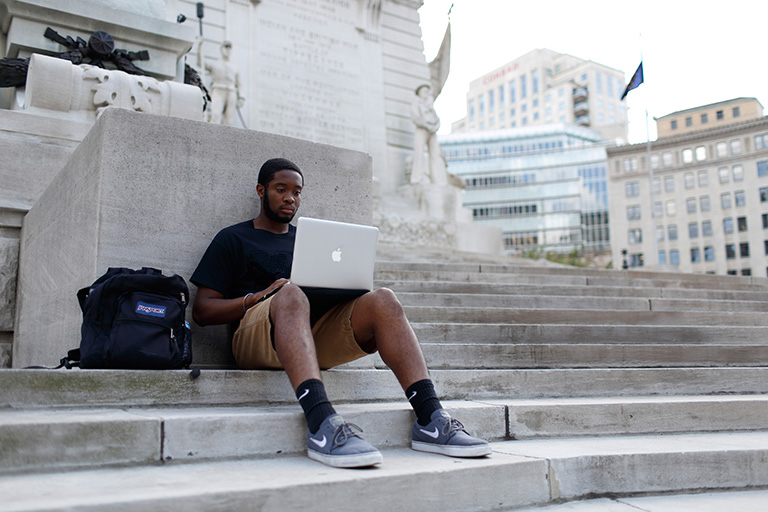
(289, 299)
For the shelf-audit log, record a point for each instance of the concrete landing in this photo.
(516, 474)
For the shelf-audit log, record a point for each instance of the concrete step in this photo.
(516, 474)
(488, 314)
(495, 300)
(586, 333)
(500, 288)
(589, 355)
(26, 389)
(44, 440)
(521, 301)
(717, 501)
(661, 281)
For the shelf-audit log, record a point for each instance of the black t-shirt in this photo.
(242, 259)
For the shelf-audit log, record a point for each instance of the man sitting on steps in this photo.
(242, 277)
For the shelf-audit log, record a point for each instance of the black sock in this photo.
(423, 399)
(314, 401)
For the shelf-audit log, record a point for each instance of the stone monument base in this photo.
(432, 217)
(149, 190)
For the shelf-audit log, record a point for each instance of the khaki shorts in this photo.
(334, 341)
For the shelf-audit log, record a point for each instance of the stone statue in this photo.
(225, 84)
(432, 170)
(425, 139)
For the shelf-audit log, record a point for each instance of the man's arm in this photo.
(211, 308)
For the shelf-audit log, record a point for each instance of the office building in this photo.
(696, 200)
(547, 87)
(544, 186)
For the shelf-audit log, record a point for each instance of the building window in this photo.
(687, 156)
(689, 180)
(704, 203)
(636, 260)
(741, 224)
(523, 87)
(672, 231)
(727, 226)
(501, 96)
(730, 251)
(630, 164)
(535, 81)
(632, 188)
(725, 200)
(658, 209)
(704, 118)
(674, 257)
(701, 153)
(688, 121)
(765, 221)
(736, 111)
(633, 212)
(635, 236)
(763, 194)
(719, 115)
(669, 183)
(690, 205)
(746, 271)
(721, 149)
(656, 185)
(662, 258)
(666, 159)
(736, 147)
(695, 255)
(738, 173)
(703, 178)
(655, 161)
(744, 249)
(660, 233)
(709, 253)
(762, 168)
(491, 101)
(693, 230)
(761, 141)
(723, 175)
(673, 125)
(471, 110)
(740, 198)
(706, 228)
(765, 247)
(481, 101)
(671, 208)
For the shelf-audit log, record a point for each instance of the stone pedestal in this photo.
(146, 190)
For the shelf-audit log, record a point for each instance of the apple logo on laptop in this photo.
(336, 255)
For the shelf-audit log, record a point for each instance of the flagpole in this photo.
(650, 185)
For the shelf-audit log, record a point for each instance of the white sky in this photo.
(694, 52)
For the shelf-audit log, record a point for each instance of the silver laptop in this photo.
(331, 254)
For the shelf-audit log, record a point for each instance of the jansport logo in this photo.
(143, 308)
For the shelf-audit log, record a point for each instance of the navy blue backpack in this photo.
(134, 319)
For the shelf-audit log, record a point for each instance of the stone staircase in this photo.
(589, 383)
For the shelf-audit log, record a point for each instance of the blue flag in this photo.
(637, 79)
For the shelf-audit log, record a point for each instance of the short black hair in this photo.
(271, 166)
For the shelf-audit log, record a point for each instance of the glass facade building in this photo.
(544, 186)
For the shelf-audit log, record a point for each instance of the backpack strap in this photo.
(71, 360)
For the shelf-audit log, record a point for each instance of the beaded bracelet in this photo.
(246, 296)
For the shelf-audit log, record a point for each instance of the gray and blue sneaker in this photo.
(336, 444)
(446, 436)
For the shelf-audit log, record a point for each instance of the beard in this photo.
(275, 216)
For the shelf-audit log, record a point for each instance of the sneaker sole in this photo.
(360, 460)
(479, 450)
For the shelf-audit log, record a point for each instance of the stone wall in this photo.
(146, 190)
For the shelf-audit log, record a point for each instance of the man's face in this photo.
(282, 196)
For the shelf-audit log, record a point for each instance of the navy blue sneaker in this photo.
(446, 436)
(336, 444)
